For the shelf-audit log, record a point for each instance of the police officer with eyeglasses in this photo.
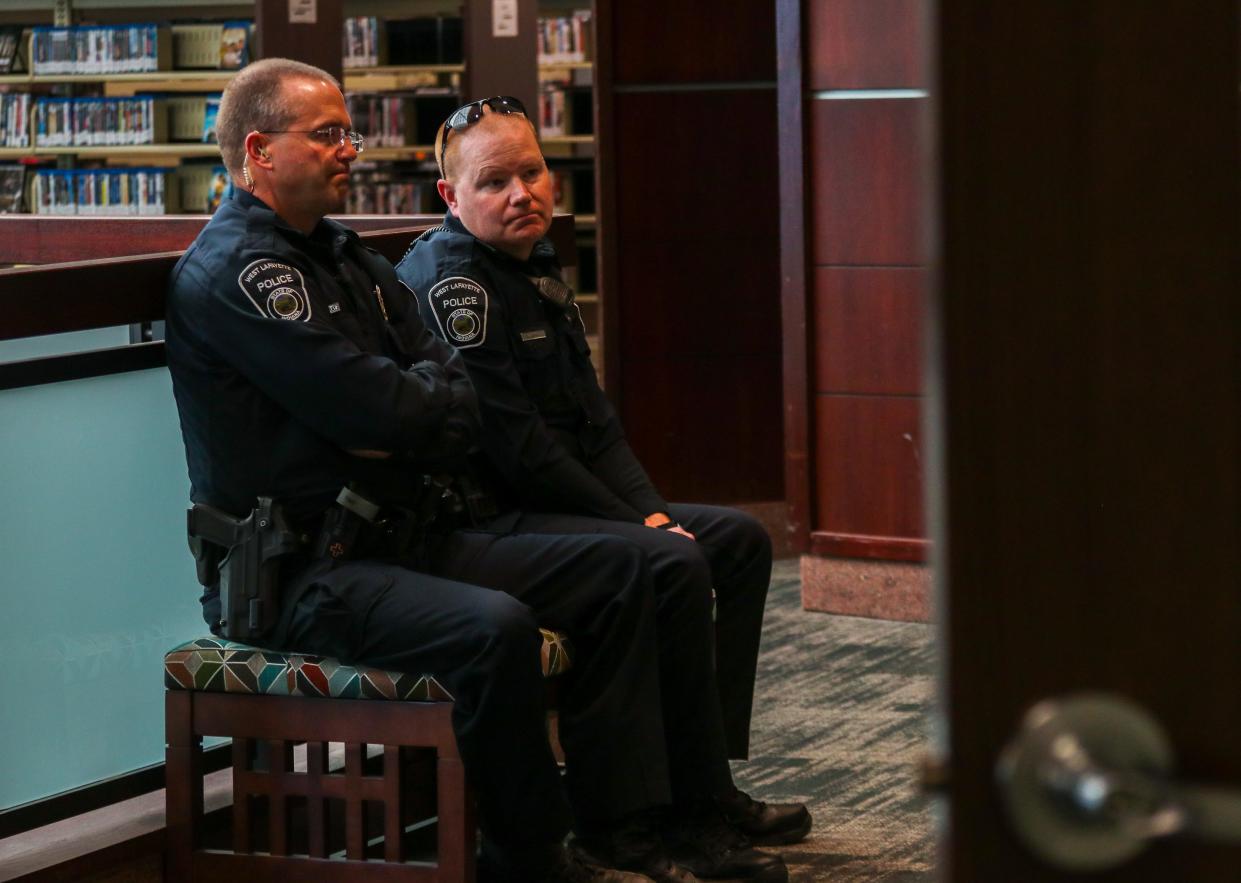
(310, 391)
(488, 282)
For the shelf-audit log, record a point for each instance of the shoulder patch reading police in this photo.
(460, 308)
(277, 290)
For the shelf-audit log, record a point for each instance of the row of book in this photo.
(386, 192)
(95, 122)
(397, 119)
(15, 120)
(199, 187)
(553, 112)
(566, 38)
(130, 48)
(129, 191)
(565, 110)
(362, 41)
(115, 49)
(370, 41)
(385, 119)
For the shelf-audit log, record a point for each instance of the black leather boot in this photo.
(710, 847)
(633, 844)
(765, 824)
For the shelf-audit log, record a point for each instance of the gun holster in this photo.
(244, 554)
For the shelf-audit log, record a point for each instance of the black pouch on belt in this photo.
(343, 525)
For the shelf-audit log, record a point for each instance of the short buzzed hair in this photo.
(254, 101)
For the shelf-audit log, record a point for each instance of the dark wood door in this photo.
(1087, 375)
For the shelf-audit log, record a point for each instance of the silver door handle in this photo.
(1087, 784)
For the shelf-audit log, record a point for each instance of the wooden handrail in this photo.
(108, 291)
(51, 239)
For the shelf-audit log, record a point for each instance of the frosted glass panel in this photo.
(55, 344)
(97, 582)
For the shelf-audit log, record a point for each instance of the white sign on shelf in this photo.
(504, 18)
(303, 12)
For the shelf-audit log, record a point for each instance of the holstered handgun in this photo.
(245, 555)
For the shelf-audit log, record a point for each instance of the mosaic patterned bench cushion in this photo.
(221, 666)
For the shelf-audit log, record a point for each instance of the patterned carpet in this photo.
(839, 723)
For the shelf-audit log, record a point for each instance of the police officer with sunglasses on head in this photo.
(488, 283)
(315, 405)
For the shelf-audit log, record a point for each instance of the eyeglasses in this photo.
(333, 136)
(468, 114)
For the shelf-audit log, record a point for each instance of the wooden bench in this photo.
(268, 703)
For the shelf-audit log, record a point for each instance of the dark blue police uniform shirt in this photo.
(287, 351)
(552, 439)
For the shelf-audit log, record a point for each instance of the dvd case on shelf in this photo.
(15, 120)
(107, 191)
(98, 49)
(221, 45)
(10, 48)
(12, 189)
(389, 191)
(100, 122)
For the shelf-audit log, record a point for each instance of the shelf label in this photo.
(303, 12)
(504, 18)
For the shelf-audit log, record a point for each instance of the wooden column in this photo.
(689, 231)
(852, 122)
(500, 61)
(285, 29)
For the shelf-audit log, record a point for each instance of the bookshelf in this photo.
(97, 75)
(391, 173)
(565, 75)
(403, 72)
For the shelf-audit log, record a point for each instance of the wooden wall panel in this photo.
(694, 41)
(865, 44)
(867, 181)
(868, 465)
(692, 302)
(868, 329)
(696, 301)
(689, 227)
(853, 190)
(700, 171)
(708, 427)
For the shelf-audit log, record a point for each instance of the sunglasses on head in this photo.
(468, 114)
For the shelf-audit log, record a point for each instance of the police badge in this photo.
(460, 308)
(277, 290)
